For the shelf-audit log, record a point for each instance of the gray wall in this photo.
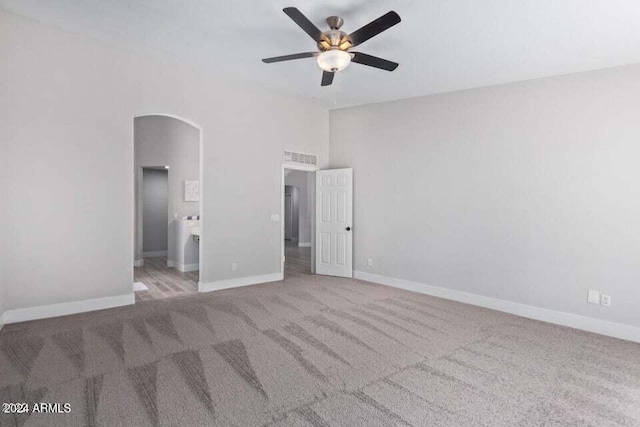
(155, 206)
(161, 140)
(294, 193)
(68, 114)
(3, 295)
(299, 179)
(5, 124)
(527, 192)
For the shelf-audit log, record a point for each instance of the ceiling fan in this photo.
(334, 45)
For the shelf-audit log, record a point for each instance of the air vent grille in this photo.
(300, 158)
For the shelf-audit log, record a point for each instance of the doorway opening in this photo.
(298, 213)
(155, 205)
(167, 212)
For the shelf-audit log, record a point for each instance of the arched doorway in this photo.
(167, 206)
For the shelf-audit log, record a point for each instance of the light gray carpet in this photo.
(316, 351)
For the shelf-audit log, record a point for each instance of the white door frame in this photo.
(312, 213)
(201, 177)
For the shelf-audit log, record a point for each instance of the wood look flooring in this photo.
(165, 282)
(162, 281)
(297, 259)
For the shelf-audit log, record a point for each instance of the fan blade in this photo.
(304, 23)
(374, 28)
(327, 78)
(289, 57)
(373, 61)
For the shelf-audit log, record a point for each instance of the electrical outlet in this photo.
(593, 297)
(605, 300)
(234, 266)
(369, 262)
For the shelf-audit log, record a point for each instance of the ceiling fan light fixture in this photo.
(334, 44)
(345, 44)
(333, 60)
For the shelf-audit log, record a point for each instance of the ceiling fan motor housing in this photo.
(334, 39)
(335, 22)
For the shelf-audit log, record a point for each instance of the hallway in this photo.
(297, 259)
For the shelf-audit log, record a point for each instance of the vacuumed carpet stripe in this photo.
(315, 351)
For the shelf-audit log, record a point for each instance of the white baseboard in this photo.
(154, 254)
(590, 324)
(187, 267)
(240, 281)
(138, 262)
(66, 308)
(170, 263)
(304, 244)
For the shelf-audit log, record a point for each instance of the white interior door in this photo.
(334, 220)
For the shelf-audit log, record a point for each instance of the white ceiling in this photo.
(441, 45)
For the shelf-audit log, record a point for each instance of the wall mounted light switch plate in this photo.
(593, 297)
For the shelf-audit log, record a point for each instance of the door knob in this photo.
(348, 228)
